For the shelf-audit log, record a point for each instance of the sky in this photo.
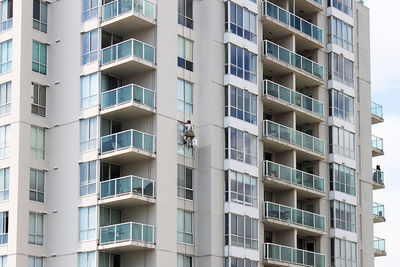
(385, 75)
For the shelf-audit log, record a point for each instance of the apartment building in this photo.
(94, 169)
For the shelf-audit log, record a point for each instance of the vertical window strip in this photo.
(36, 185)
(88, 175)
(185, 182)
(89, 90)
(39, 57)
(89, 9)
(35, 229)
(5, 98)
(185, 227)
(185, 96)
(6, 15)
(38, 100)
(40, 16)
(87, 223)
(6, 56)
(185, 53)
(37, 142)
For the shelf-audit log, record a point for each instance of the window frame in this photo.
(41, 66)
(90, 11)
(185, 232)
(7, 22)
(86, 229)
(342, 142)
(38, 239)
(236, 59)
(92, 94)
(39, 259)
(4, 223)
(339, 246)
(184, 191)
(185, 19)
(236, 189)
(92, 54)
(340, 69)
(342, 179)
(6, 64)
(36, 149)
(4, 184)
(234, 230)
(89, 255)
(239, 109)
(341, 105)
(235, 23)
(91, 182)
(337, 34)
(183, 102)
(185, 57)
(42, 22)
(342, 215)
(5, 150)
(239, 145)
(184, 260)
(5, 103)
(92, 137)
(343, 6)
(36, 190)
(40, 105)
(245, 262)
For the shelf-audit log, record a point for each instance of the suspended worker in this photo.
(188, 133)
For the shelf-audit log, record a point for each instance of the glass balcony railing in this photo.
(127, 185)
(292, 97)
(292, 215)
(377, 143)
(128, 48)
(127, 232)
(300, 139)
(379, 210)
(378, 177)
(377, 110)
(293, 176)
(128, 139)
(290, 19)
(127, 94)
(293, 59)
(379, 244)
(293, 255)
(119, 7)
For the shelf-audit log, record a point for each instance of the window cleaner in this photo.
(189, 133)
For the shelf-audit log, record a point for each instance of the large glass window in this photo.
(87, 259)
(35, 229)
(185, 182)
(241, 63)
(37, 142)
(87, 223)
(239, 262)
(6, 56)
(185, 96)
(241, 231)
(38, 100)
(341, 142)
(6, 14)
(240, 104)
(346, 6)
(89, 9)
(341, 69)
(36, 185)
(341, 34)
(35, 261)
(88, 134)
(184, 261)
(5, 98)
(89, 90)
(343, 253)
(185, 53)
(343, 216)
(3, 261)
(185, 227)
(40, 16)
(4, 183)
(90, 45)
(342, 178)
(39, 57)
(185, 13)
(240, 21)
(341, 106)
(3, 228)
(240, 146)
(241, 188)
(88, 176)
(4, 141)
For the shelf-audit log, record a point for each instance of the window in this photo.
(185, 96)
(240, 21)
(183, 149)
(343, 216)
(35, 262)
(238, 262)
(185, 53)
(185, 227)
(346, 6)
(6, 56)
(89, 90)
(341, 106)
(4, 184)
(241, 63)
(5, 98)
(35, 229)
(90, 45)
(88, 134)
(87, 223)
(185, 13)
(4, 141)
(37, 142)
(341, 34)
(341, 142)
(240, 146)
(343, 253)
(36, 185)
(87, 259)
(185, 261)
(6, 14)
(185, 182)
(39, 57)
(241, 231)
(3, 228)
(240, 104)
(89, 9)
(39, 100)
(3, 261)
(40, 16)
(342, 178)
(88, 176)
(240, 188)
(340, 69)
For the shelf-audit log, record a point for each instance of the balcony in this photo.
(281, 177)
(379, 247)
(126, 191)
(376, 113)
(127, 58)
(282, 23)
(127, 146)
(129, 101)
(377, 146)
(378, 179)
(282, 99)
(277, 255)
(281, 61)
(283, 138)
(123, 17)
(379, 213)
(280, 217)
(126, 237)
